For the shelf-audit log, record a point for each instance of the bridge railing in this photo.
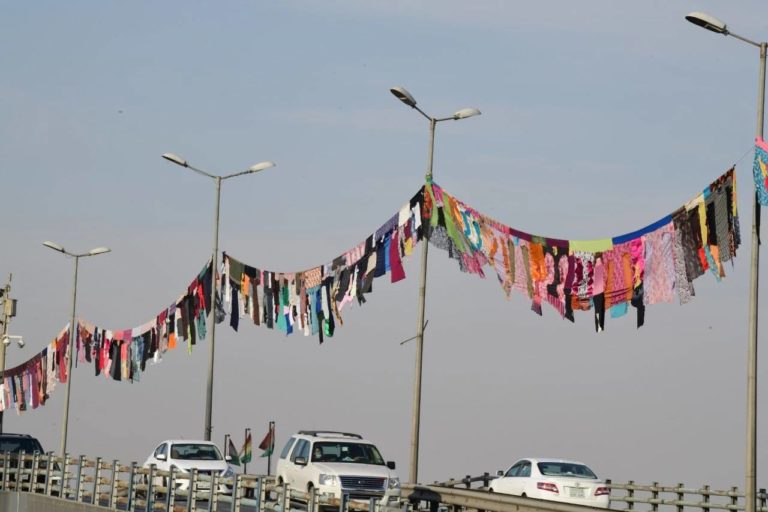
(655, 497)
(649, 498)
(117, 486)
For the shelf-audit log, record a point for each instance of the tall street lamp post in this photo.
(72, 332)
(8, 311)
(403, 95)
(217, 180)
(750, 475)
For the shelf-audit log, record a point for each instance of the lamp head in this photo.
(403, 95)
(465, 113)
(171, 157)
(54, 246)
(98, 250)
(261, 166)
(708, 22)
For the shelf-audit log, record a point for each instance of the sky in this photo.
(597, 119)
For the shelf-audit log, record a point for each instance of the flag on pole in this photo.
(235, 458)
(246, 452)
(268, 443)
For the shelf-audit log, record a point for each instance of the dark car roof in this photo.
(19, 442)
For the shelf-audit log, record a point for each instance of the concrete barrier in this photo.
(24, 502)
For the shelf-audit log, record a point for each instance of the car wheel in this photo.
(523, 495)
(490, 490)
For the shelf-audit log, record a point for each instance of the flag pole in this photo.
(271, 446)
(245, 448)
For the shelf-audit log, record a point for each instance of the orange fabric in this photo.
(172, 341)
(538, 265)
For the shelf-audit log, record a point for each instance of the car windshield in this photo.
(358, 453)
(20, 444)
(565, 469)
(195, 451)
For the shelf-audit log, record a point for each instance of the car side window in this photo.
(525, 469)
(301, 450)
(514, 470)
(160, 450)
(287, 448)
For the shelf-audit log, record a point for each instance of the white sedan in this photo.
(554, 480)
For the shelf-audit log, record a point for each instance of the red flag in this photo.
(268, 443)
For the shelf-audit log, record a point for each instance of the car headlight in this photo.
(178, 469)
(394, 482)
(229, 473)
(324, 479)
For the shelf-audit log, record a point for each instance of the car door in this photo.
(523, 480)
(160, 453)
(298, 475)
(506, 482)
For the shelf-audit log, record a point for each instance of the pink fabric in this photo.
(659, 283)
(395, 264)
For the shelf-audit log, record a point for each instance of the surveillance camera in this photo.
(7, 340)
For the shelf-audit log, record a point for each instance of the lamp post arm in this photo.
(742, 38)
(417, 109)
(233, 175)
(200, 171)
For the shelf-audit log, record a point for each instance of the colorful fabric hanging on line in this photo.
(651, 265)
(29, 385)
(123, 354)
(760, 171)
(311, 301)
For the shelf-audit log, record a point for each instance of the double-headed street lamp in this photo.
(404, 96)
(715, 25)
(217, 179)
(72, 333)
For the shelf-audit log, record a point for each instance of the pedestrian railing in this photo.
(650, 498)
(116, 486)
(655, 497)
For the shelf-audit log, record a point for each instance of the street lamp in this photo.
(176, 159)
(715, 25)
(72, 327)
(403, 95)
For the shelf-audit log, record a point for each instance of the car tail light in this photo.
(546, 486)
(600, 491)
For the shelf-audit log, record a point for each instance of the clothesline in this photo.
(653, 264)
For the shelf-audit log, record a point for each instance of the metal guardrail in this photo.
(680, 497)
(657, 497)
(112, 485)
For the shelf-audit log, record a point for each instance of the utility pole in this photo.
(8, 312)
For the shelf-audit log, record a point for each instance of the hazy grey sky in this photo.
(599, 117)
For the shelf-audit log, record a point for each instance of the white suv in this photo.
(184, 455)
(336, 463)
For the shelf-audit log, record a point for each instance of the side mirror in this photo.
(300, 461)
(499, 473)
(228, 458)
(391, 464)
(161, 456)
